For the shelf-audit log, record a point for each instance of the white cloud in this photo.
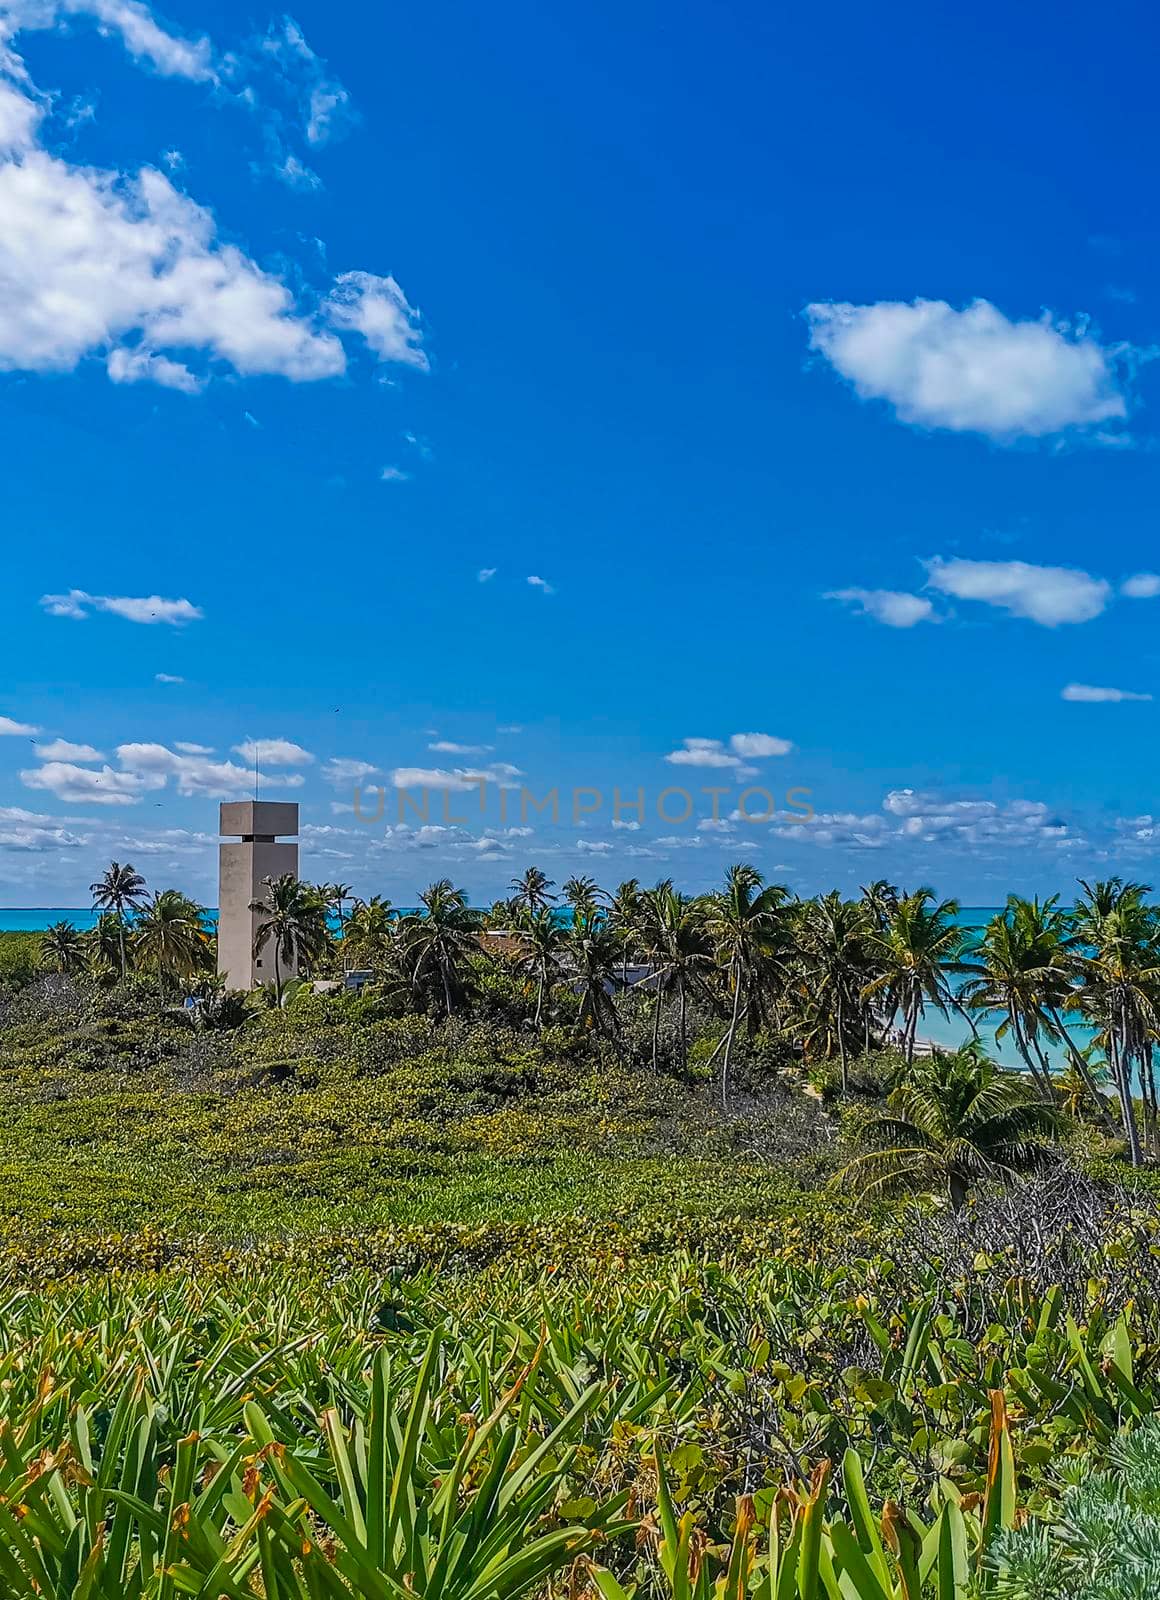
(141, 34)
(377, 309)
(124, 267)
(295, 174)
(592, 847)
(462, 778)
(707, 753)
(193, 749)
(1088, 694)
(626, 825)
(890, 606)
(272, 753)
(758, 746)
(341, 770)
(1047, 595)
(447, 747)
(167, 677)
(32, 832)
(394, 475)
(103, 788)
(542, 584)
(931, 818)
(486, 574)
(972, 370)
(328, 103)
(702, 753)
(62, 750)
(9, 728)
(1141, 586)
(154, 764)
(150, 608)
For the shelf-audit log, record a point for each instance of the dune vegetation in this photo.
(503, 1276)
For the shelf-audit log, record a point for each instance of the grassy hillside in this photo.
(331, 1117)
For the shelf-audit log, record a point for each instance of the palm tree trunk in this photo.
(1025, 1052)
(911, 1030)
(729, 1037)
(1082, 1068)
(277, 975)
(121, 942)
(446, 987)
(842, 1048)
(656, 1029)
(539, 1002)
(1148, 1095)
(683, 1023)
(1121, 1073)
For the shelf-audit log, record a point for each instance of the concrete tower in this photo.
(252, 853)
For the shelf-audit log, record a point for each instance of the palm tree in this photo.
(120, 890)
(440, 939)
(103, 945)
(1021, 970)
(881, 901)
(543, 942)
(915, 953)
(371, 933)
(672, 931)
(833, 939)
(583, 894)
(594, 954)
(335, 896)
(624, 917)
(744, 923)
(294, 922)
(1119, 972)
(62, 948)
(956, 1121)
(171, 937)
(532, 891)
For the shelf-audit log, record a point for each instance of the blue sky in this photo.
(810, 374)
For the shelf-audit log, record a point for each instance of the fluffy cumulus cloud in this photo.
(1047, 595)
(150, 608)
(126, 268)
(31, 832)
(893, 607)
(734, 757)
(758, 746)
(155, 764)
(10, 728)
(1141, 586)
(143, 769)
(910, 817)
(1089, 694)
(972, 370)
(377, 309)
(930, 818)
(63, 750)
(343, 770)
(88, 786)
(272, 753)
(704, 753)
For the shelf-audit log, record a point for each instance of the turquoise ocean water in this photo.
(949, 1031)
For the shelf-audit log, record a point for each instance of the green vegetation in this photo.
(502, 1278)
